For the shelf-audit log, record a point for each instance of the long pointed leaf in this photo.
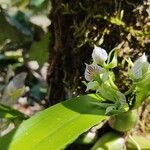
(58, 125)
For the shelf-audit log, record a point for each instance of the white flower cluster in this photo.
(101, 78)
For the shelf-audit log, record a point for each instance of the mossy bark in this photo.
(77, 25)
(66, 62)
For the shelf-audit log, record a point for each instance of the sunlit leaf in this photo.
(108, 93)
(9, 113)
(142, 141)
(39, 50)
(57, 126)
(142, 91)
(110, 141)
(114, 61)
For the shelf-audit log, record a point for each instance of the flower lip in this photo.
(99, 55)
(91, 71)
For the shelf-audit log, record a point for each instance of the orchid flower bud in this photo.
(91, 71)
(99, 55)
(140, 67)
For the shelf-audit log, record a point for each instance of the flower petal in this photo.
(91, 71)
(99, 55)
(140, 67)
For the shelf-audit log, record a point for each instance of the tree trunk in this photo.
(66, 62)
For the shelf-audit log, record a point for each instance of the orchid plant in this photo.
(69, 118)
(101, 79)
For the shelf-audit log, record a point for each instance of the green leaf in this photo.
(39, 50)
(108, 92)
(117, 21)
(114, 61)
(141, 96)
(110, 141)
(109, 109)
(58, 125)
(5, 140)
(145, 82)
(142, 141)
(36, 3)
(8, 31)
(21, 3)
(10, 113)
(142, 91)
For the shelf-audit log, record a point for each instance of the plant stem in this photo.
(137, 145)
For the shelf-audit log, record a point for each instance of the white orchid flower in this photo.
(99, 55)
(15, 88)
(140, 67)
(92, 71)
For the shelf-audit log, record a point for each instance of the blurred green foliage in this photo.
(40, 48)
(24, 41)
